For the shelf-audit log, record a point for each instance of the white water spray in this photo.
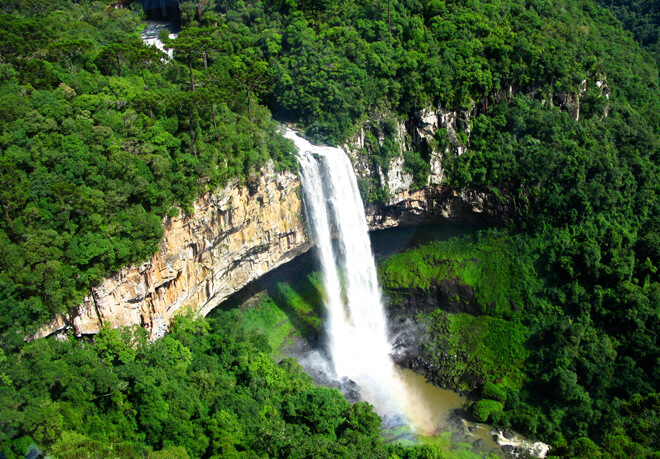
(356, 324)
(150, 35)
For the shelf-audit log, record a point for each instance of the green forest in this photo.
(207, 389)
(102, 139)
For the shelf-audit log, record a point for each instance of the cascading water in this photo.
(356, 324)
(150, 34)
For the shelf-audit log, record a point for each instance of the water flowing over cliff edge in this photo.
(355, 321)
(235, 235)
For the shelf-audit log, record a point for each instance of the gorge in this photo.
(357, 333)
(238, 233)
(139, 192)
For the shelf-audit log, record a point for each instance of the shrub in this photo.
(483, 409)
(494, 392)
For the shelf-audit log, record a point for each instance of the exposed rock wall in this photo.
(234, 236)
(239, 233)
(439, 203)
(433, 131)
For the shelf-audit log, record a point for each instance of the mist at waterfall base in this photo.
(358, 346)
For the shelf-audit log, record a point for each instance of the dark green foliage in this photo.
(208, 389)
(496, 270)
(561, 369)
(494, 392)
(100, 140)
(642, 18)
(468, 351)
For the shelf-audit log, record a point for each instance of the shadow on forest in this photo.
(294, 289)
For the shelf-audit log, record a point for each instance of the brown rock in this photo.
(232, 238)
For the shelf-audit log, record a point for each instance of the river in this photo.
(152, 30)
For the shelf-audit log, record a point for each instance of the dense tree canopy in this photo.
(208, 389)
(103, 138)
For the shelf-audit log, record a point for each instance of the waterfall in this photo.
(356, 324)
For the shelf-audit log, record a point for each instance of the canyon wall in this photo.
(238, 233)
(407, 204)
(235, 235)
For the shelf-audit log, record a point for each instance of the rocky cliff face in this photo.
(234, 236)
(405, 204)
(239, 233)
(433, 132)
(440, 203)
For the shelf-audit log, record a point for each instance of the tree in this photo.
(192, 42)
(70, 48)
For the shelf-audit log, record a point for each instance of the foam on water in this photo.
(356, 323)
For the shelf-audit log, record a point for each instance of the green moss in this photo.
(495, 264)
(467, 351)
(286, 310)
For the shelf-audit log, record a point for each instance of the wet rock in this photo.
(451, 295)
(508, 449)
(472, 429)
(455, 422)
(391, 422)
(479, 444)
(350, 389)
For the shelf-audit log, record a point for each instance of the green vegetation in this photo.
(544, 367)
(207, 389)
(271, 321)
(587, 196)
(579, 271)
(642, 18)
(101, 140)
(443, 441)
(484, 409)
(490, 273)
(495, 267)
(287, 307)
(494, 392)
(467, 351)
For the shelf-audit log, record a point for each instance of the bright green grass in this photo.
(495, 264)
(288, 310)
(272, 322)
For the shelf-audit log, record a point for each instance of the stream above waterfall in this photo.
(152, 30)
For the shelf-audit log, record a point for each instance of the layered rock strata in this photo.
(239, 233)
(235, 235)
